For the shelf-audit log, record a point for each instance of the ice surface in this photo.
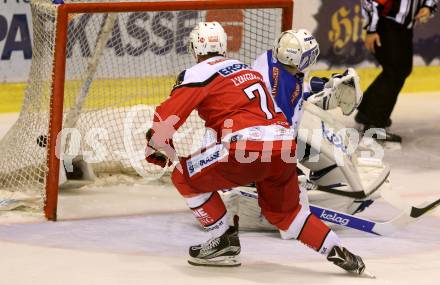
(140, 234)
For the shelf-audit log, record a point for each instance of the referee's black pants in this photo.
(396, 57)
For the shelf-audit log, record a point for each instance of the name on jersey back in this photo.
(239, 79)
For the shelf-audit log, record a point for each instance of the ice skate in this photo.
(385, 136)
(348, 261)
(222, 251)
(382, 134)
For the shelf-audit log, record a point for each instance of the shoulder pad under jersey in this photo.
(204, 72)
(179, 79)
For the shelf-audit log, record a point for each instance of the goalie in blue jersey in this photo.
(284, 69)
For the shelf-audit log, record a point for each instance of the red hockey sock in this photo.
(211, 212)
(318, 235)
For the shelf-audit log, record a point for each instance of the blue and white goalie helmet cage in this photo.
(297, 48)
(207, 37)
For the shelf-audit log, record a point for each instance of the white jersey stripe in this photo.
(403, 11)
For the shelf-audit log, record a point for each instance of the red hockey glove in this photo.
(155, 156)
(159, 159)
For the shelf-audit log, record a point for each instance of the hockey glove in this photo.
(155, 156)
(342, 90)
(159, 159)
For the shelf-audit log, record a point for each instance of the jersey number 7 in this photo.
(257, 90)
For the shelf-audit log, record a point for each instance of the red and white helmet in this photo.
(207, 37)
(297, 48)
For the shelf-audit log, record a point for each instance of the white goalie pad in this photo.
(333, 158)
(243, 203)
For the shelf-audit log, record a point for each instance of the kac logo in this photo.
(335, 139)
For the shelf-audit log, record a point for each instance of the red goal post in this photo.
(59, 67)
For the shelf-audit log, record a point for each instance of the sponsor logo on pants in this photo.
(205, 159)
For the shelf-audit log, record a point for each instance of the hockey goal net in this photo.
(98, 70)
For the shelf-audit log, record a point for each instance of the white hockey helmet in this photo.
(297, 48)
(207, 37)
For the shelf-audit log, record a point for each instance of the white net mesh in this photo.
(114, 79)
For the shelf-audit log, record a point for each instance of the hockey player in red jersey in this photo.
(254, 143)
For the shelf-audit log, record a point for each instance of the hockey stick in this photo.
(378, 228)
(349, 194)
(408, 216)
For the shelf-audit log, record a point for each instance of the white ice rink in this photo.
(140, 235)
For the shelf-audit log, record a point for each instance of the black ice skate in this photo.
(222, 251)
(341, 257)
(386, 136)
(380, 134)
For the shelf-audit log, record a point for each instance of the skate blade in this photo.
(392, 146)
(368, 274)
(223, 261)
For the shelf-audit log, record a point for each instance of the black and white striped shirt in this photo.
(400, 11)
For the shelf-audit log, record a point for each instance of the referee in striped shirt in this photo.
(389, 25)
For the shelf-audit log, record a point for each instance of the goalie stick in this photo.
(409, 215)
(359, 194)
(350, 194)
